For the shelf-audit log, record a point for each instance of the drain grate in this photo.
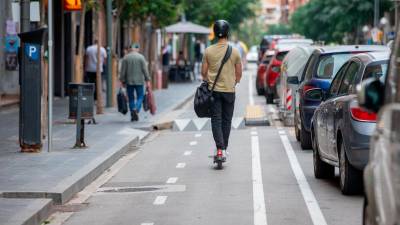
(131, 189)
(142, 189)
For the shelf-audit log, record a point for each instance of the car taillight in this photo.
(361, 115)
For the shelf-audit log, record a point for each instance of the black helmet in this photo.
(221, 28)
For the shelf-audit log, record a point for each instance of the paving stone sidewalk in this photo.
(60, 174)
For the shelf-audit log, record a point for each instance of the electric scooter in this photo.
(219, 159)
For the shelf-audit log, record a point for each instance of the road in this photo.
(170, 180)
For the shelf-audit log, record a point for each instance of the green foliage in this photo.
(162, 12)
(279, 29)
(331, 20)
(205, 12)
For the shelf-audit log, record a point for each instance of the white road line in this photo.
(282, 132)
(172, 180)
(192, 143)
(251, 97)
(180, 165)
(197, 135)
(254, 133)
(260, 213)
(160, 200)
(309, 198)
(187, 153)
(147, 224)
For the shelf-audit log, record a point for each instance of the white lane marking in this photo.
(172, 180)
(282, 132)
(260, 213)
(309, 198)
(253, 128)
(197, 135)
(254, 133)
(160, 200)
(180, 165)
(251, 97)
(192, 143)
(187, 153)
(147, 224)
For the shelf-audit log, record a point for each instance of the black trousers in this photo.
(90, 77)
(221, 118)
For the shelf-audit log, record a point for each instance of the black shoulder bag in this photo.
(203, 98)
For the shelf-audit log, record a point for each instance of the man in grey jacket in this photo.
(134, 75)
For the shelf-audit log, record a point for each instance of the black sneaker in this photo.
(135, 116)
(132, 116)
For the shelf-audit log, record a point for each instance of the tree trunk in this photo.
(78, 75)
(99, 85)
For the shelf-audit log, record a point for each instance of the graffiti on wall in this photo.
(11, 46)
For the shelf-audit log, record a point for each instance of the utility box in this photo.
(84, 93)
(30, 80)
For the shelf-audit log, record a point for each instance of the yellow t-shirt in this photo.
(213, 56)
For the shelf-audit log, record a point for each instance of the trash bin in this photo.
(84, 92)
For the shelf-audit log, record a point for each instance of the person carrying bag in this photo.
(215, 98)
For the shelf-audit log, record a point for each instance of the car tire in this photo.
(260, 91)
(366, 213)
(296, 128)
(350, 177)
(305, 138)
(269, 98)
(322, 170)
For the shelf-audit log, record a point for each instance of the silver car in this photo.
(340, 128)
(382, 174)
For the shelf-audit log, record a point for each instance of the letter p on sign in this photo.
(32, 51)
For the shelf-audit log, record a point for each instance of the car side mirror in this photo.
(292, 80)
(371, 94)
(314, 94)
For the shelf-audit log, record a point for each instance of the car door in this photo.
(331, 95)
(335, 109)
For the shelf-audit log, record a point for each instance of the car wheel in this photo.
(296, 128)
(366, 213)
(270, 98)
(322, 169)
(350, 177)
(305, 138)
(260, 91)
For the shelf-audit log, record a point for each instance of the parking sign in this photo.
(32, 51)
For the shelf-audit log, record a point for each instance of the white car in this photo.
(252, 56)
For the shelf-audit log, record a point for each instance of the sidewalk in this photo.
(64, 172)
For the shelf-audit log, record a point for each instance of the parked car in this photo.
(292, 67)
(252, 55)
(382, 173)
(282, 47)
(320, 70)
(340, 128)
(262, 70)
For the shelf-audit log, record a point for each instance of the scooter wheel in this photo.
(219, 164)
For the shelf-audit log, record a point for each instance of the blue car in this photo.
(320, 69)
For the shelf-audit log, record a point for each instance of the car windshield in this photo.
(377, 71)
(330, 64)
(281, 55)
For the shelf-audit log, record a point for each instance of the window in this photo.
(310, 68)
(377, 71)
(281, 55)
(336, 82)
(329, 64)
(349, 77)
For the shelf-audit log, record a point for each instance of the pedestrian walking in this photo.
(224, 91)
(134, 75)
(91, 64)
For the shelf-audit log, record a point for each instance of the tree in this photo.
(205, 12)
(279, 29)
(332, 20)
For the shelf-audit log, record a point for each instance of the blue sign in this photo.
(32, 51)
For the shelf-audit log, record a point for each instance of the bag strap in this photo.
(224, 60)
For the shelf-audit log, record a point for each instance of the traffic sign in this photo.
(32, 51)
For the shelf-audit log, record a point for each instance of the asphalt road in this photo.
(170, 180)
